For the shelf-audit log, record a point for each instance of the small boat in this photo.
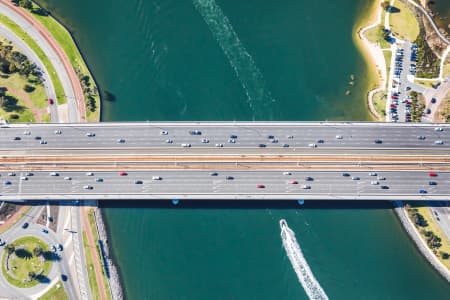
(283, 223)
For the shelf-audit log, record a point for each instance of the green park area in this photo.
(422, 217)
(34, 46)
(379, 102)
(403, 22)
(378, 36)
(27, 262)
(57, 292)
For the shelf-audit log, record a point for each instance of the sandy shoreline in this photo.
(373, 55)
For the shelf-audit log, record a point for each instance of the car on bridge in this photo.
(195, 132)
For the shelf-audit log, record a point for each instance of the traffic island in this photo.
(27, 261)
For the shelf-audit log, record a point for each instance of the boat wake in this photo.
(301, 268)
(259, 98)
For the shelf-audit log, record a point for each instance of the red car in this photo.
(260, 186)
(432, 174)
(294, 182)
(123, 173)
(50, 101)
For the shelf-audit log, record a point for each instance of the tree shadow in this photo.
(40, 12)
(108, 96)
(393, 10)
(42, 278)
(10, 104)
(51, 256)
(23, 253)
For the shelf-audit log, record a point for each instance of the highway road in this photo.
(321, 150)
(285, 137)
(201, 184)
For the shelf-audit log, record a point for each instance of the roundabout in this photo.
(27, 262)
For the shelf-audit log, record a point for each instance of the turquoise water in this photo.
(241, 60)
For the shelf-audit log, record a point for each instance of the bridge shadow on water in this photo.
(241, 204)
(246, 204)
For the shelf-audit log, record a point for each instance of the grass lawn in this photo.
(379, 102)
(387, 58)
(63, 37)
(32, 44)
(432, 226)
(24, 113)
(17, 82)
(57, 292)
(90, 268)
(23, 262)
(403, 23)
(375, 35)
(426, 83)
(446, 71)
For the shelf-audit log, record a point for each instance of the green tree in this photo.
(31, 275)
(385, 5)
(37, 251)
(10, 248)
(28, 88)
(26, 4)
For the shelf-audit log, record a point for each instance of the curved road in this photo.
(32, 56)
(59, 266)
(443, 38)
(70, 82)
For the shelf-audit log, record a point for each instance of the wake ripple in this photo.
(258, 98)
(301, 267)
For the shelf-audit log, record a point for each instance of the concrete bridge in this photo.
(225, 160)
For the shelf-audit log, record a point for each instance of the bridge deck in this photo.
(402, 160)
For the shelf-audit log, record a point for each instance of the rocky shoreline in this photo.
(110, 268)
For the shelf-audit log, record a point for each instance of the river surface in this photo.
(241, 60)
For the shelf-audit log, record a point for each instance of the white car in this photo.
(24, 178)
(339, 137)
(67, 178)
(438, 129)
(90, 134)
(219, 145)
(57, 131)
(439, 142)
(381, 178)
(205, 141)
(156, 178)
(186, 145)
(372, 174)
(27, 132)
(374, 182)
(306, 187)
(312, 145)
(164, 132)
(88, 187)
(287, 173)
(89, 174)
(54, 174)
